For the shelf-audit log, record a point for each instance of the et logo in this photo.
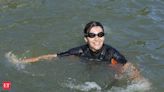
(6, 85)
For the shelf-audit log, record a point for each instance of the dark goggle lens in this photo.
(92, 35)
(101, 34)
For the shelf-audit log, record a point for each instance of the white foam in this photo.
(86, 86)
(14, 60)
(140, 86)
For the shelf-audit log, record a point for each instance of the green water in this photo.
(35, 27)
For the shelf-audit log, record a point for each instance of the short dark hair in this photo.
(91, 24)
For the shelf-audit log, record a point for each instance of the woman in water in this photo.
(95, 49)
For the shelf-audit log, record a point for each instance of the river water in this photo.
(31, 28)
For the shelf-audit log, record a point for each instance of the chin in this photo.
(98, 47)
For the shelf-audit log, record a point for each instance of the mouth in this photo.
(96, 43)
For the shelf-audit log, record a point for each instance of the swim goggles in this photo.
(92, 35)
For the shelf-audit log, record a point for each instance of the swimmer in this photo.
(95, 49)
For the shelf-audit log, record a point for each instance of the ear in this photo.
(85, 39)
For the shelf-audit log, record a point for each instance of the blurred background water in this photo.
(31, 28)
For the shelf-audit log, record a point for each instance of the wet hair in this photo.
(91, 24)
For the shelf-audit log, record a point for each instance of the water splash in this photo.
(15, 61)
(86, 86)
(139, 86)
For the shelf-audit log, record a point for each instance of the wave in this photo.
(90, 86)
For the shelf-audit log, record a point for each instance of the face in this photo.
(95, 43)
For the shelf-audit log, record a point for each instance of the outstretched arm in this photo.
(43, 57)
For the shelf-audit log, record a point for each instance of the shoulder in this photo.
(112, 51)
(78, 49)
(109, 47)
(73, 51)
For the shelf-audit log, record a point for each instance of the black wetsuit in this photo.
(106, 54)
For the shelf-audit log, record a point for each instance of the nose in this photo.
(96, 37)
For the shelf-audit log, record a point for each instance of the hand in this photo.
(132, 72)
